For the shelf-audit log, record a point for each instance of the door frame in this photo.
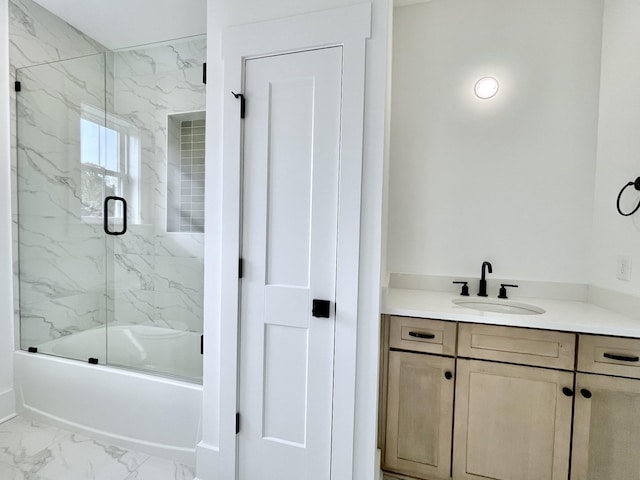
(348, 27)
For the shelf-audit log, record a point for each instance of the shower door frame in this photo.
(97, 107)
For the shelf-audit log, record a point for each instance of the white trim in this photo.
(7, 335)
(349, 27)
(7, 405)
(207, 457)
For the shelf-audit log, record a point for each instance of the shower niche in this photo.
(185, 172)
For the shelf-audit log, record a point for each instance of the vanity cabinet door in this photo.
(606, 432)
(511, 422)
(419, 415)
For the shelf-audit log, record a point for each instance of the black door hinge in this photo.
(18, 86)
(240, 268)
(201, 344)
(237, 423)
(93, 361)
(242, 103)
(204, 73)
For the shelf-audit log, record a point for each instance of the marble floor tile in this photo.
(22, 440)
(77, 457)
(35, 451)
(7, 472)
(161, 469)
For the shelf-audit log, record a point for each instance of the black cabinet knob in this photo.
(448, 375)
(585, 393)
(567, 391)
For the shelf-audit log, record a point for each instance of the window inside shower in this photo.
(110, 164)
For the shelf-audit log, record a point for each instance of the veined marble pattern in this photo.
(62, 257)
(38, 36)
(158, 276)
(151, 277)
(35, 37)
(35, 451)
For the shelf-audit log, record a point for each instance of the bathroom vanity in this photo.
(481, 395)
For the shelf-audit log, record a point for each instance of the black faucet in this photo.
(482, 290)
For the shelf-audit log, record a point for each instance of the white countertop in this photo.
(570, 316)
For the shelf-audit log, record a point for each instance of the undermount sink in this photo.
(498, 306)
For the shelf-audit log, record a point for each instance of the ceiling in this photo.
(125, 23)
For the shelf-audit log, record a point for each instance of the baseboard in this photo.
(7, 405)
(207, 458)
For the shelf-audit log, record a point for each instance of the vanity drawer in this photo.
(524, 346)
(609, 355)
(422, 335)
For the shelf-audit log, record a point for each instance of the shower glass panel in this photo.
(156, 284)
(111, 207)
(61, 180)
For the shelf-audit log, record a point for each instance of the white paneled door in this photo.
(290, 214)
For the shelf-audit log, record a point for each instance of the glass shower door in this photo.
(111, 208)
(155, 282)
(61, 177)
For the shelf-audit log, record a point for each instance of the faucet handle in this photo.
(465, 288)
(503, 290)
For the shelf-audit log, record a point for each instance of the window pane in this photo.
(89, 142)
(91, 193)
(104, 166)
(112, 149)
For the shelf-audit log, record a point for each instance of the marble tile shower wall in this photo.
(36, 37)
(62, 257)
(157, 277)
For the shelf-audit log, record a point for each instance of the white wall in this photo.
(225, 13)
(7, 399)
(618, 148)
(510, 179)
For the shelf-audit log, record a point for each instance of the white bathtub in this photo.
(141, 347)
(153, 414)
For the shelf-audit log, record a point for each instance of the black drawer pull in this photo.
(567, 391)
(429, 336)
(621, 358)
(585, 393)
(448, 375)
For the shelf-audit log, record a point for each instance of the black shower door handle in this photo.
(105, 215)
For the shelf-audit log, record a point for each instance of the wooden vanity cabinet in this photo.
(606, 432)
(512, 422)
(475, 402)
(419, 415)
(419, 398)
(513, 418)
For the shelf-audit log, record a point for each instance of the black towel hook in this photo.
(636, 185)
